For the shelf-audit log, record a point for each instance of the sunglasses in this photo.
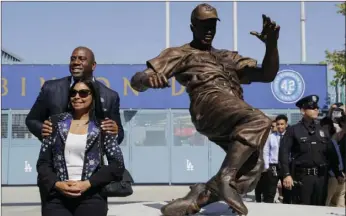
(82, 93)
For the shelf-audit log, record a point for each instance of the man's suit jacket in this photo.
(54, 97)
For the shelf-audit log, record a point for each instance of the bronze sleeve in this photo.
(244, 66)
(167, 62)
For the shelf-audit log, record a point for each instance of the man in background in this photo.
(342, 147)
(273, 128)
(271, 159)
(336, 185)
(261, 185)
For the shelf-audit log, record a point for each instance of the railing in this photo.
(160, 146)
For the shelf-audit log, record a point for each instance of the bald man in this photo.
(53, 98)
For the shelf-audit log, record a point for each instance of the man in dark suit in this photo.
(54, 97)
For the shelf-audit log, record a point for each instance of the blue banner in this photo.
(20, 85)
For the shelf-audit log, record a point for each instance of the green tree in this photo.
(342, 8)
(338, 62)
(337, 58)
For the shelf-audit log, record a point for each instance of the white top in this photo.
(271, 149)
(74, 155)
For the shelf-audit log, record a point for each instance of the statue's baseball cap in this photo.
(203, 12)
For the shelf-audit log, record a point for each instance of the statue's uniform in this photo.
(213, 81)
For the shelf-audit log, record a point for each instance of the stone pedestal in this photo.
(221, 209)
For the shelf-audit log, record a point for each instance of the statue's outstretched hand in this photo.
(156, 80)
(270, 31)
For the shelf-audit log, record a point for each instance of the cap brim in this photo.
(206, 18)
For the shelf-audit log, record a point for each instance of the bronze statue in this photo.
(212, 78)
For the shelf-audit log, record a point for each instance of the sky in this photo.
(133, 32)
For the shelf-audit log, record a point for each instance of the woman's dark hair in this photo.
(96, 113)
(328, 122)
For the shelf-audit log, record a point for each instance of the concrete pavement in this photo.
(30, 195)
(147, 200)
(19, 201)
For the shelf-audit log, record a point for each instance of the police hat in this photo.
(203, 12)
(307, 102)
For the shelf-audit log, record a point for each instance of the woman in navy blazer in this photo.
(70, 175)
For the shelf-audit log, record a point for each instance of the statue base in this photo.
(221, 209)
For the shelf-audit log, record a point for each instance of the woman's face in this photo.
(81, 97)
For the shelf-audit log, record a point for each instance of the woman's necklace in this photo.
(80, 123)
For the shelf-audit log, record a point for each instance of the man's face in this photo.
(273, 128)
(310, 112)
(281, 125)
(82, 63)
(204, 30)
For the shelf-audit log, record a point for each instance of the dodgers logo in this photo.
(288, 86)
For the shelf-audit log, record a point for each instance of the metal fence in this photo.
(160, 146)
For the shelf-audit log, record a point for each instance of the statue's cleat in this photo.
(180, 207)
(227, 192)
(234, 200)
(190, 204)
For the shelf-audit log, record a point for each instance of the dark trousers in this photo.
(259, 190)
(93, 205)
(267, 185)
(312, 190)
(286, 194)
(271, 184)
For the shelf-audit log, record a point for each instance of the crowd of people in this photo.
(305, 163)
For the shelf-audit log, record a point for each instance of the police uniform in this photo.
(312, 154)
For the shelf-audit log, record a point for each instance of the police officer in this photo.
(312, 154)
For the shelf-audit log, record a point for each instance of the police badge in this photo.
(314, 99)
(321, 133)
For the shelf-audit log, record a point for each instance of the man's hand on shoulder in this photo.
(46, 128)
(109, 126)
